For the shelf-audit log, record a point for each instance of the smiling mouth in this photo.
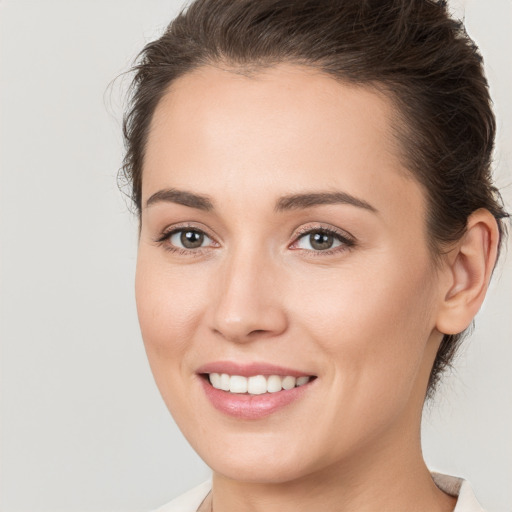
(256, 384)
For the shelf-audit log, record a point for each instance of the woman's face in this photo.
(282, 237)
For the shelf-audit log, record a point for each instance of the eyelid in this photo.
(164, 238)
(173, 228)
(347, 240)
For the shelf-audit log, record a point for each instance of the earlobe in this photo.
(471, 264)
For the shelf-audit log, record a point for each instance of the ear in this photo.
(469, 268)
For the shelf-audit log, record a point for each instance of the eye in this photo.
(186, 239)
(189, 239)
(318, 241)
(322, 240)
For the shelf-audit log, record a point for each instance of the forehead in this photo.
(275, 132)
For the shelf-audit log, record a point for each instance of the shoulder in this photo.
(189, 501)
(466, 499)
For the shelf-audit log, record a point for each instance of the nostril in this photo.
(257, 331)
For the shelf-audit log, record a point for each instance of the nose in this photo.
(247, 300)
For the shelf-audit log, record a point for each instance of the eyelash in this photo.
(346, 240)
(164, 240)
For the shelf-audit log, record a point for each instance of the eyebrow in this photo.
(285, 203)
(308, 200)
(172, 195)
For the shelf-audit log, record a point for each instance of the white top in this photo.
(466, 501)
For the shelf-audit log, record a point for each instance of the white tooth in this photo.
(257, 385)
(302, 380)
(215, 380)
(224, 382)
(289, 382)
(274, 384)
(237, 384)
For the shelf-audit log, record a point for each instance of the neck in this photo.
(336, 490)
(391, 475)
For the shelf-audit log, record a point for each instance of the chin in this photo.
(268, 471)
(255, 460)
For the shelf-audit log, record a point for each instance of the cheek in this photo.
(170, 307)
(370, 330)
(372, 321)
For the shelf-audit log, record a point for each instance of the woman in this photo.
(318, 227)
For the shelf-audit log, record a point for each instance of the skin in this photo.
(366, 318)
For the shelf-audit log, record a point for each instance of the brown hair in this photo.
(411, 49)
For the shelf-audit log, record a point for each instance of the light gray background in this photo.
(83, 427)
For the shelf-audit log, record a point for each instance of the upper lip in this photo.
(250, 369)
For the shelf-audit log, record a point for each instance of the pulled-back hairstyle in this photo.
(411, 50)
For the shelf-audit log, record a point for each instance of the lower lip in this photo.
(252, 407)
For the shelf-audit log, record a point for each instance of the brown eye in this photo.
(189, 239)
(321, 241)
